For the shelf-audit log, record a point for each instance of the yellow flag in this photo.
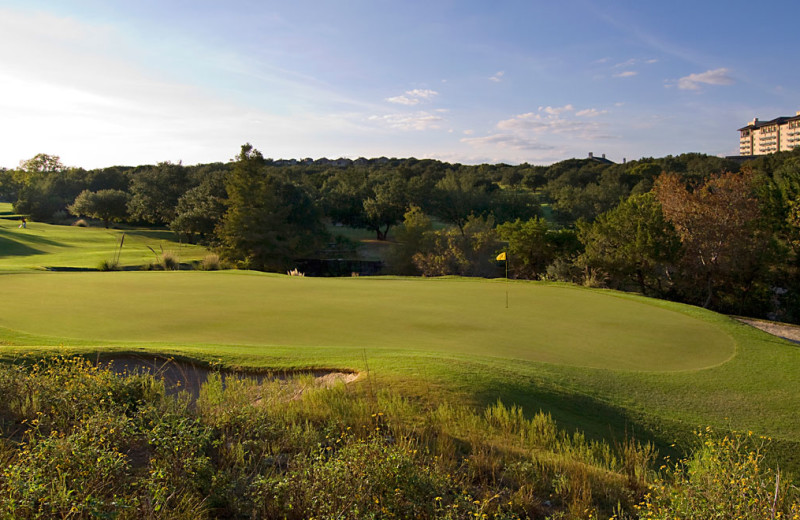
(501, 256)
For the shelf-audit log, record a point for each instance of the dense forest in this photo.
(690, 228)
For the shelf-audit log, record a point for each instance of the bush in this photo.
(109, 265)
(79, 441)
(725, 479)
(210, 262)
(170, 261)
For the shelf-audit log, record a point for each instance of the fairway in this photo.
(546, 323)
(47, 246)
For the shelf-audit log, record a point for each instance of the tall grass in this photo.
(79, 441)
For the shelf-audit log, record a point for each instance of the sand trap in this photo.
(187, 376)
(782, 330)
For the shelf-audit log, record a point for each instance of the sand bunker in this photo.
(186, 376)
(782, 330)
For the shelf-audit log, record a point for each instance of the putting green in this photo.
(547, 323)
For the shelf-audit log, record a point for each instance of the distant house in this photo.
(602, 159)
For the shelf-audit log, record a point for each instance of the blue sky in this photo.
(109, 82)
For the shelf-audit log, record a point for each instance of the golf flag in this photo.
(501, 256)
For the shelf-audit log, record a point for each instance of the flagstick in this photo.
(506, 280)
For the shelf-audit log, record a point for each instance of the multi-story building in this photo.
(763, 137)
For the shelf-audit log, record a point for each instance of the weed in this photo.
(170, 261)
(79, 441)
(725, 478)
(109, 265)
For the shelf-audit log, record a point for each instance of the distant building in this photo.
(764, 137)
(600, 159)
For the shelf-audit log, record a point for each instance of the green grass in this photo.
(598, 360)
(544, 323)
(605, 362)
(44, 246)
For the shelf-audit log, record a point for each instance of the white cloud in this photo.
(541, 124)
(498, 77)
(508, 141)
(709, 77)
(650, 62)
(554, 111)
(416, 121)
(547, 129)
(591, 112)
(626, 74)
(403, 100)
(422, 93)
(629, 63)
(413, 97)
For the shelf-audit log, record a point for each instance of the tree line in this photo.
(692, 228)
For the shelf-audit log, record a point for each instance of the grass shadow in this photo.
(28, 237)
(10, 247)
(578, 412)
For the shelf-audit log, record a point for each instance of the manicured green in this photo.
(545, 323)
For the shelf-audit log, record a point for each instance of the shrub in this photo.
(109, 265)
(170, 261)
(210, 262)
(562, 270)
(726, 478)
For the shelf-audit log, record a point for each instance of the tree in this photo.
(409, 240)
(458, 196)
(467, 252)
(343, 193)
(106, 205)
(45, 186)
(42, 163)
(718, 223)
(200, 210)
(269, 222)
(155, 191)
(511, 204)
(529, 249)
(386, 206)
(632, 242)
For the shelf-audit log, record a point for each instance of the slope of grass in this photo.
(43, 245)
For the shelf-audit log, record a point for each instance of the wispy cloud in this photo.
(498, 77)
(532, 131)
(416, 121)
(508, 141)
(590, 112)
(626, 74)
(628, 63)
(710, 77)
(554, 111)
(413, 97)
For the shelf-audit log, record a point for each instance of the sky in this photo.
(108, 82)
